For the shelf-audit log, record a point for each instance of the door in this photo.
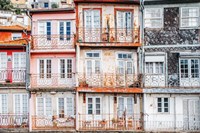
(19, 67)
(45, 73)
(124, 29)
(125, 107)
(44, 34)
(92, 31)
(191, 114)
(189, 72)
(3, 66)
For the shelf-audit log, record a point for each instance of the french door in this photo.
(92, 25)
(3, 66)
(189, 72)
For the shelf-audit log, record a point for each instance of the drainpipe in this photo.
(174, 112)
(28, 55)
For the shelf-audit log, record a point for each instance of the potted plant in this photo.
(103, 122)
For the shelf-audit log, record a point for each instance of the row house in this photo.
(171, 65)
(13, 88)
(108, 92)
(52, 72)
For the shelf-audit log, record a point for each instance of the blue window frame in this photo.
(68, 30)
(61, 30)
(48, 30)
(46, 5)
(65, 30)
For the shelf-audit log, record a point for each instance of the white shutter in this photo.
(3, 60)
(129, 67)
(120, 106)
(70, 106)
(88, 18)
(48, 105)
(130, 106)
(40, 106)
(17, 103)
(24, 103)
(120, 19)
(96, 18)
(89, 67)
(4, 100)
(41, 28)
(121, 67)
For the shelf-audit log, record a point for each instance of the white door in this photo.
(191, 114)
(125, 76)
(94, 108)
(124, 29)
(125, 107)
(189, 72)
(44, 34)
(3, 66)
(19, 67)
(92, 26)
(45, 73)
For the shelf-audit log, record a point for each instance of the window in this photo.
(93, 64)
(189, 17)
(16, 36)
(124, 19)
(163, 105)
(19, 60)
(154, 67)
(3, 60)
(153, 17)
(44, 106)
(125, 63)
(125, 104)
(45, 29)
(94, 105)
(65, 30)
(46, 5)
(45, 68)
(21, 103)
(65, 107)
(189, 67)
(3, 103)
(92, 18)
(65, 68)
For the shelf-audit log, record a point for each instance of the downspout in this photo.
(28, 55)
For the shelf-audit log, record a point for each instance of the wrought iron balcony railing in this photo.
(110, 122)
(52, 122)
(109, 80)
(12, 75)
(52, 80)
(110, 35)
(170, 81)
(53, 41)
(14, 120)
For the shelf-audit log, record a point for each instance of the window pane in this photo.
(25, 104)
(4, 103)
(120, 106)
(17, 104)
(41, 68)
(90, 106)
(69, 68)
(68, 30)
(48, 68)
(40, 107)
(48, 30)
(48, 106)
(70, 107)
(62, 68)
(61, 107)
(61, 30)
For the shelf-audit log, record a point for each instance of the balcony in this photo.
(170, 81)
(52, 123)
(14, 121)
(112, 82)
(110, 122)
(12, 76)
(52, 42)
(53, 80)
(108, 37)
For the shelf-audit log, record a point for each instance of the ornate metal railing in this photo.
(14, 120)
(110, 122)
(12, 75)
(111, 35)
(52, 122)
(109, 80)
(52, 41)
(171, 81)
(51, 80)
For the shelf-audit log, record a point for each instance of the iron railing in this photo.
(170, 81)
(52, 122)
(109, 80)
(110, 122)
(53, 41)
(14, 120)
(53, 80)
(111, 35)
(12, 75)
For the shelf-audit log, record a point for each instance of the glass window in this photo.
(154, 67)
(184, 68)
(189, 17)
(4, 103)
(16, 36)
(48, 30)
(163, 105)
(61, 107)
(65, 68)
(90, 106)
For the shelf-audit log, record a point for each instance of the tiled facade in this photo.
(102, 65)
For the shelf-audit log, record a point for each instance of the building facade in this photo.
(13, 66)
(171, 65)
(52, 74)
(108, 93)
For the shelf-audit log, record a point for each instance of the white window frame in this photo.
(65, 37)
(93, 61)
(92, 18)
(126, 105)
(152, 18)
(124, 22)
(93, 105)
(1, 108)
(45, 68)
(182, 17)
(154, 68)
(66, 113)
(20, 54)
(3, 60)
(16, 36)
(44, 106)
(21, 103)
(162, 105)
(66, 68)
(125, 62)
